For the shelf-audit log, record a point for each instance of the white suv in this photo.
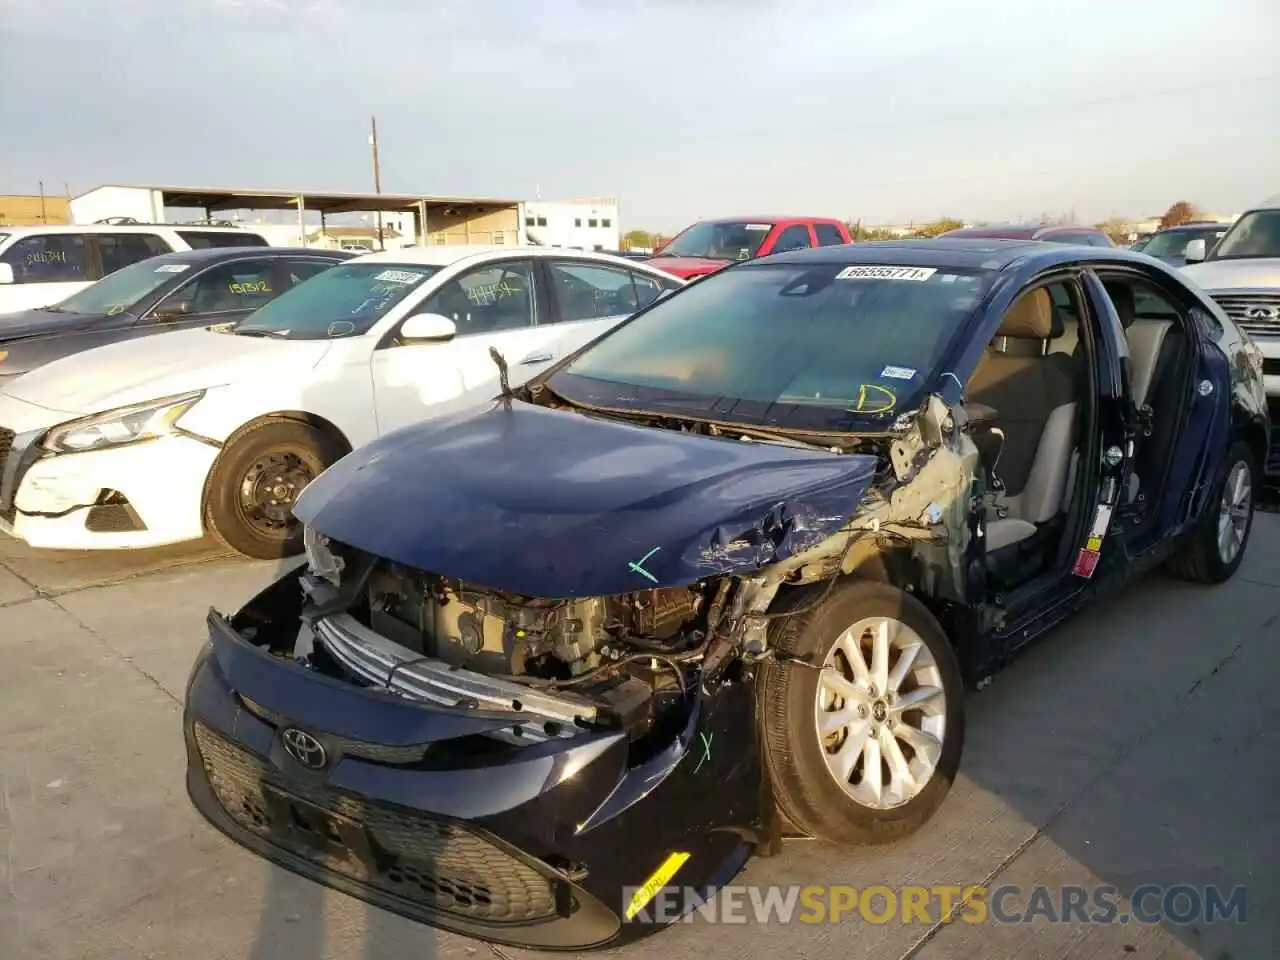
(1242, 274)
(40, 266)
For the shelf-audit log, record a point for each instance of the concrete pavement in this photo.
(1136, 745)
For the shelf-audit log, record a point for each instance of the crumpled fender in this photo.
(553, 503)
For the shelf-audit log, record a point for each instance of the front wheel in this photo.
(864, 749)
(256, 481)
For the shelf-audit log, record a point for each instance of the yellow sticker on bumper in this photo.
(657, 880)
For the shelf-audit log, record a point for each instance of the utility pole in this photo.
(377, 172)
(43, 218)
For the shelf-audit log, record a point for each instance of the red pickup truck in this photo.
(709, 245)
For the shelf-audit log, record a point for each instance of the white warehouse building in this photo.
(588, 224)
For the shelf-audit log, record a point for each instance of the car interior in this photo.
(1159, 355)
(1030, 398)
(1030, 401)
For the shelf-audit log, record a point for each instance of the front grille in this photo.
(1254, 312)
(7, 509)
(409, 854)
(389, 754)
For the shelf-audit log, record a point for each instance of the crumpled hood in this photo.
(551, 503)
(1215, 275)
(147, 368)
(34, 323)
(687, 267)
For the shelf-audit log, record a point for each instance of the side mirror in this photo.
(6, 273)
(428, 328)
(1195, 252)
(172, 309)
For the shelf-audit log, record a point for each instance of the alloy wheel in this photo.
(880, 712)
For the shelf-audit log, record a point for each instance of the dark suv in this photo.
(1086, 236)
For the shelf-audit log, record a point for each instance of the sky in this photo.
(880, 110)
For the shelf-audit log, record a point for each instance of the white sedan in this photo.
(167, 438)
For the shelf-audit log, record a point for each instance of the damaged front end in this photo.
(515, 765)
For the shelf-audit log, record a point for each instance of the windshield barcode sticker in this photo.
(898, 373)
(886, 273)
(171, 268)
(397, 276)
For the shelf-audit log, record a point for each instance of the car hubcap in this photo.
(269, 489)
(1233, 515)
(881, 712)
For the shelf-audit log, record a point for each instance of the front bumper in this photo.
(419, 812)
(138, 495)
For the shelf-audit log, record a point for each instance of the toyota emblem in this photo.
(305, 748)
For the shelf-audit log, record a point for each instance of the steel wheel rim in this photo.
(881, 713)
(269, 489)
(1234, 512)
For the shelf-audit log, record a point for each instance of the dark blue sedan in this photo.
(559, 664)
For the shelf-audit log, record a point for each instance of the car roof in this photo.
(122, 228)
(769, 218)
(213, 254)
(444, 255)
(985, 253)
(1016, 231)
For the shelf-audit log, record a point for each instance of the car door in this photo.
(219, 295)
(494, 304)
(47, 268)
(795, 237)
(1117, 422)
(585, 299)
(117, 250)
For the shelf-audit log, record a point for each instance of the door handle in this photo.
(537, 358)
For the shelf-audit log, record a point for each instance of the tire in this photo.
(808, 792)
(1202, 559)
(267, 532)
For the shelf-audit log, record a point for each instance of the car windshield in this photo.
(343, 301)
(1256, 234)
(802, 347)
(1170, 243)
(118, 292)
(719, 241)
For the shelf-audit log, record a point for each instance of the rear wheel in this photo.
(257, 480)
(863, 750)
(1216, 549)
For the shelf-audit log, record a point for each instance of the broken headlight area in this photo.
(557, 667)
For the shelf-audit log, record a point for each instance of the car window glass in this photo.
(586, 292)
(119, 250)
(300, 270)
(205, 239)
(49, 258)
(648, 289)
(828, 235)
(769, 341)
(793, 238)
(229, 287)
(487, 298)
(1150, 304)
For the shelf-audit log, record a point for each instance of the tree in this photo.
(1117, 228)
(937, 227)
(637, 238)
(1180, 212)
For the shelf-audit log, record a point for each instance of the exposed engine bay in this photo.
(557, 667)
(496, 633)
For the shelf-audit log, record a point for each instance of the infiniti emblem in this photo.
(1263, 313)
(304, 748)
